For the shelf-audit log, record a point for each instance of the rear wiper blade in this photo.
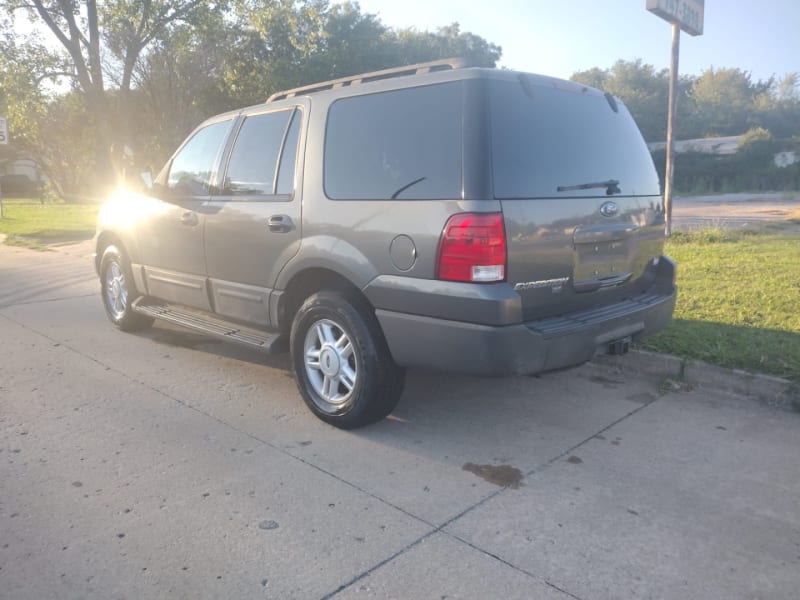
(405, 187)
(611, 185)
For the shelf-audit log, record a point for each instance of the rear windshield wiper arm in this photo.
(611, 185)
(405, 187)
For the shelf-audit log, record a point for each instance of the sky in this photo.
(559, 37)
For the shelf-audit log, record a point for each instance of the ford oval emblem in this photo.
(609, 209)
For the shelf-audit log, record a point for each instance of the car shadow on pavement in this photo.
(445, 414)
(167, 335)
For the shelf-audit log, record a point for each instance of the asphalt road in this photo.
(167, 465)
(733, 210)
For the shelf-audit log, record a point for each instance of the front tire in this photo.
(118, 291)
(343, 367)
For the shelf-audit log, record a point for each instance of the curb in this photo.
(767, 389)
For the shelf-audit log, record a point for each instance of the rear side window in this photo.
(403, 144)
(190, 172)
(257, 152)
(546, 137)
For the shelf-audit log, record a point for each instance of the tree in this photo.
(446, 42)
(168, 65)
(26, 103)
(723, 101)
(290, 43)
(95, 38)
(778, 109)
(181, 80)
(644, 91)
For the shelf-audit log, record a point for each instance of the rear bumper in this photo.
(524, 348)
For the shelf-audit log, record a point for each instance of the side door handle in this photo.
(280, 223)
(189, 218)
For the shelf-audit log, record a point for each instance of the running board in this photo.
(210, 325)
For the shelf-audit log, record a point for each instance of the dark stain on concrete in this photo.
(502, 475)
(575, 460)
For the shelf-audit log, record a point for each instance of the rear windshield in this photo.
(546, 137)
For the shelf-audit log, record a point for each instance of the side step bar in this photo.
(210, 325)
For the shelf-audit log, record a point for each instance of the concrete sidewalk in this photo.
(168, 465)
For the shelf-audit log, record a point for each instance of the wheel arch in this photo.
(322, 262)
(307, 282)
(109, 237)
(104, 240)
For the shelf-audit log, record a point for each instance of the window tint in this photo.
(289, 156)
(251, 170)
(404, 144)
(190, 172)
(544, 137)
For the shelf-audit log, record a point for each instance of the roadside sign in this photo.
(3, 131)
(686, 14)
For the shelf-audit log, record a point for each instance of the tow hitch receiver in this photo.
(620, 346)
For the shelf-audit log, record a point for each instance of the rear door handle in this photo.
(280, 223)
(189, 218)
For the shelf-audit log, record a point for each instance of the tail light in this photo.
(473, 248)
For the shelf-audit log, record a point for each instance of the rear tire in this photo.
(118, 291)
(343, 367)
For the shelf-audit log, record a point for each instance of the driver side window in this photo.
(190, 173)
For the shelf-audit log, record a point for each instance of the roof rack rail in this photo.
(445, 64)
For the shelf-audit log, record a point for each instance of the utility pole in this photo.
(687, 15)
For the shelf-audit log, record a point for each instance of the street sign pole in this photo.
(670, 166)
(689, 16)
(3, 142)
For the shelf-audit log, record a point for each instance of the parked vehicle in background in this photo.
(472, 220)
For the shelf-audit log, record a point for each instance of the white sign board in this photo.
(3, 131)
(687, 14)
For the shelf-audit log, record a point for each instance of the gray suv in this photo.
(481, 221)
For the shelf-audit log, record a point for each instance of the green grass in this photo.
(738, 300)
(34, 225)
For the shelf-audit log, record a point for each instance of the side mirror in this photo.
(147, 179)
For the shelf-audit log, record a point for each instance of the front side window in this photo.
(190, 172)
(256, 153)
(403, 144)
